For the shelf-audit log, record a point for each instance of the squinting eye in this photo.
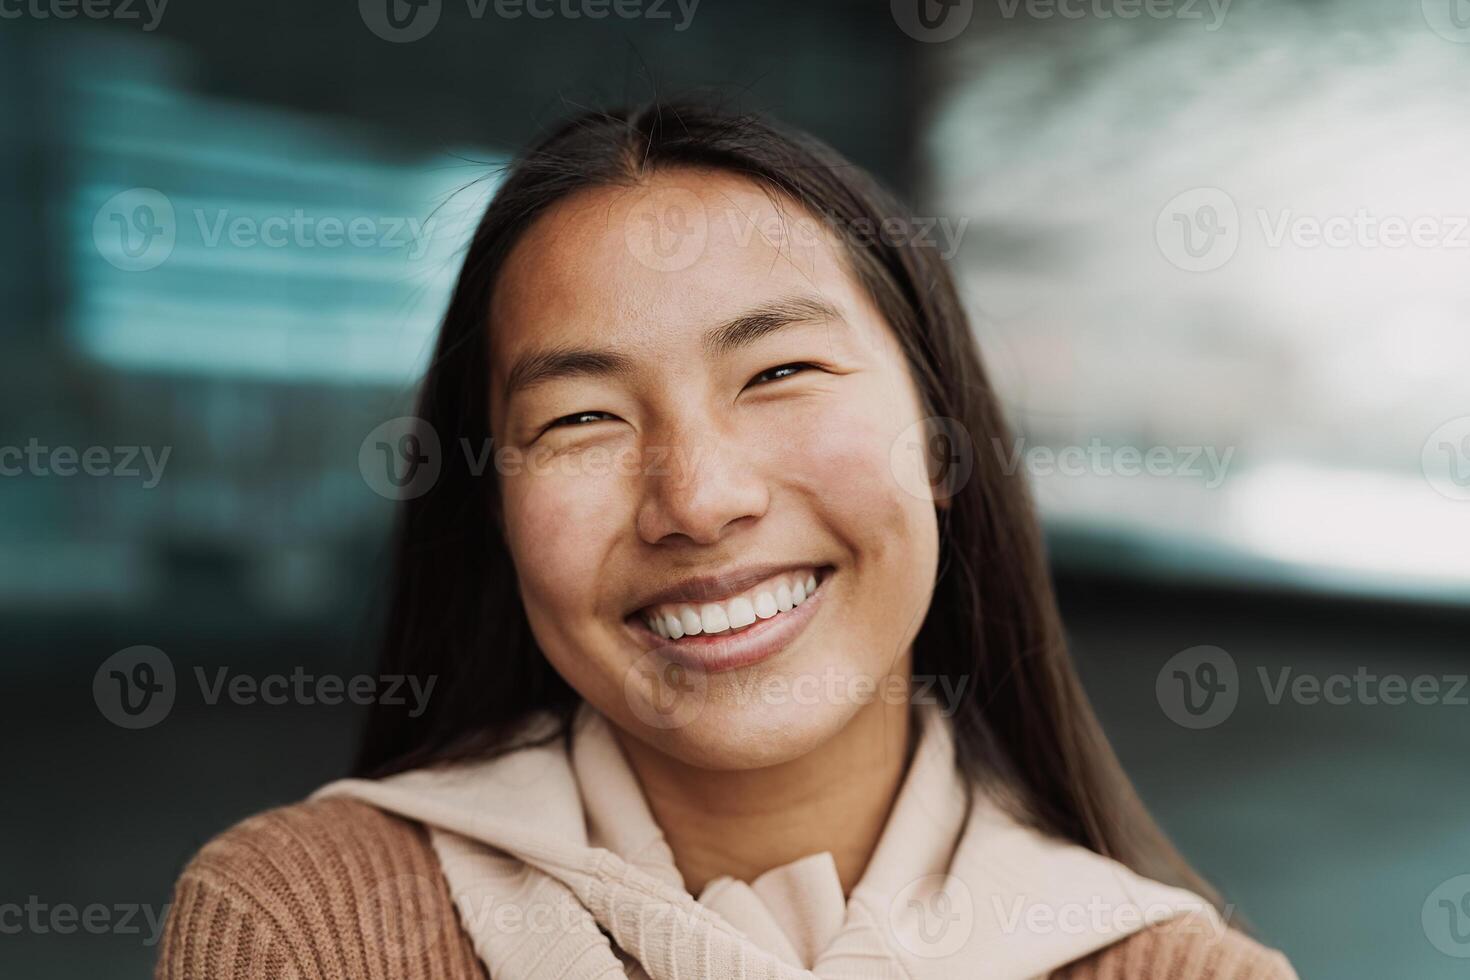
(579, 418)
(774, 374)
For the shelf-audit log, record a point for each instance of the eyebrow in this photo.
(755, 323)
(562, 361)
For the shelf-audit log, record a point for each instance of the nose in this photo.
(699, 484)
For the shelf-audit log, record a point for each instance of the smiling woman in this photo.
(684, 722)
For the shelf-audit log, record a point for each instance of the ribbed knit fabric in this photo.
(1170, 951)
(335, 889)
(329, 890)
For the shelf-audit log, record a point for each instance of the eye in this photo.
(580, 418)
(778, 373)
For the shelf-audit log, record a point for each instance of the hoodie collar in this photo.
(554, 859)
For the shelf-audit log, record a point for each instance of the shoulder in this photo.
(1182, 949)
(330, 887)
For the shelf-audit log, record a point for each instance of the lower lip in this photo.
(718, 652)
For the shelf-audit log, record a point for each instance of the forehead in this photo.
(653, 264)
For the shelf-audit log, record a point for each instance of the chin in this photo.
(733, 729)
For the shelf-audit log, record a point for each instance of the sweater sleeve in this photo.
(1176, 950)
(325, 890)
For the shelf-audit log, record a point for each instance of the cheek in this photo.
(854, 463)
(559, 530)
(845, 456)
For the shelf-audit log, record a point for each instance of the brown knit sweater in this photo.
(338, 890)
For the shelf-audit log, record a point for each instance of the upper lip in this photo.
(709, 588)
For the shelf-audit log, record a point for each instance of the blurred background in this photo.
(1217, 254)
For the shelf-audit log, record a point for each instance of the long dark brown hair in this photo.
(454, 611)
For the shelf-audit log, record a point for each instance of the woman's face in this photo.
(699, 414)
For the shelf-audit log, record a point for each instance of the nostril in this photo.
(696, 500)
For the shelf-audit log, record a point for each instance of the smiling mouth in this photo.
(769, 600)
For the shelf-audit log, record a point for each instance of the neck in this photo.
(742, 823)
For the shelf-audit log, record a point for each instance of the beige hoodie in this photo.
(558, 868)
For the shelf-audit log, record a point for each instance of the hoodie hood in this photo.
(558, 868)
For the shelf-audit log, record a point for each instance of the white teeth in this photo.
(783, 598)
(713, 616)
(742, 613)
(674, 622)
(689, 619)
